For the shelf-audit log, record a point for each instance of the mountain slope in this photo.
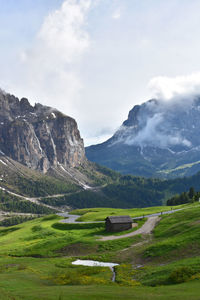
(41, 154)
(160, 139)
(43, 164)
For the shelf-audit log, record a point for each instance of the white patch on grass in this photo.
(93, 263)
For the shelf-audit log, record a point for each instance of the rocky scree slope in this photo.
(159, 139)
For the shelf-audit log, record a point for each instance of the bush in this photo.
(180, 275)
(36, 228)
(74, 275)
(11, 221)
(77, 226)
(124, 275)
(50, 217)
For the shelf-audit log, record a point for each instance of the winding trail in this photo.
(33, 200)
(70, 218)
(73, 218)
(147, 228)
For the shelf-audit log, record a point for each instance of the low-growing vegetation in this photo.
(125, 275)
(38, 255)
(12, 203)
(81, 275)
(14, 220)
(99, 214)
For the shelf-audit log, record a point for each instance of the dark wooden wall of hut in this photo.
(116, 227)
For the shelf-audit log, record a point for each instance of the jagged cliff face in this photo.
(160, 139)
(38, 136)
(173, 126)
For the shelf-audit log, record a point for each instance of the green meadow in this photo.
(99, 214)
(36, 258)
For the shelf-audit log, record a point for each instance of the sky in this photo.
(95, 59)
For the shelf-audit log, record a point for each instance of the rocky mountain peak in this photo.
(161, 124)
(38, 136)
(159, 138)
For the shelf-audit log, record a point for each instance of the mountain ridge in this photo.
(68, 179)
(157, 139)
(39, 137)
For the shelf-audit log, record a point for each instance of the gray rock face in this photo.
(160, 139)
(38, 136)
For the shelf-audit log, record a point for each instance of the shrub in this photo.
(74, 275)
(50, 217)
(36, 228)
(21, 267)
(180, 275)
(11, 221)
(124, 275)
(78, 226)
(195, 277)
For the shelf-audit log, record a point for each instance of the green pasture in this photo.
(99, 214)
(36, 257)
(47, 237)
(18, 285)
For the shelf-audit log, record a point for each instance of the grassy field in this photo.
(36, 257)
(30, 289)
(99, 214)
(46, 237)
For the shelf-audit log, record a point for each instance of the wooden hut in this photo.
(118, 223)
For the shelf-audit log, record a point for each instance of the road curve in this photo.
(145, 229)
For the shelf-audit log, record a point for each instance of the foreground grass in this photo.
(31, 278)
(36, 257)
(29, 287)
(177, 235)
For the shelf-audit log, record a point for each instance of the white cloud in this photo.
(116, 14)
(62, 35)
(88, 63)
(153, 136)
(175, 87)
(49, 70)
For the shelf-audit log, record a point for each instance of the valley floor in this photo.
(36, 259)
(28, 290)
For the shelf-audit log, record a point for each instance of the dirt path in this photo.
(145, 229)
(33, 200)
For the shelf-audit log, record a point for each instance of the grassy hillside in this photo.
(99, 214)
(37, 256)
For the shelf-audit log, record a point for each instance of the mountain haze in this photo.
(159, 139)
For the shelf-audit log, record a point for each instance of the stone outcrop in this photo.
(39, 137)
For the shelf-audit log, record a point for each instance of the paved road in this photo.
(159, 213)
(73, 218)
(70, 218)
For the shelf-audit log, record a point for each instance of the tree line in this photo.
(185, 197)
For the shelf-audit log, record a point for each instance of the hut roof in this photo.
(119, 219)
